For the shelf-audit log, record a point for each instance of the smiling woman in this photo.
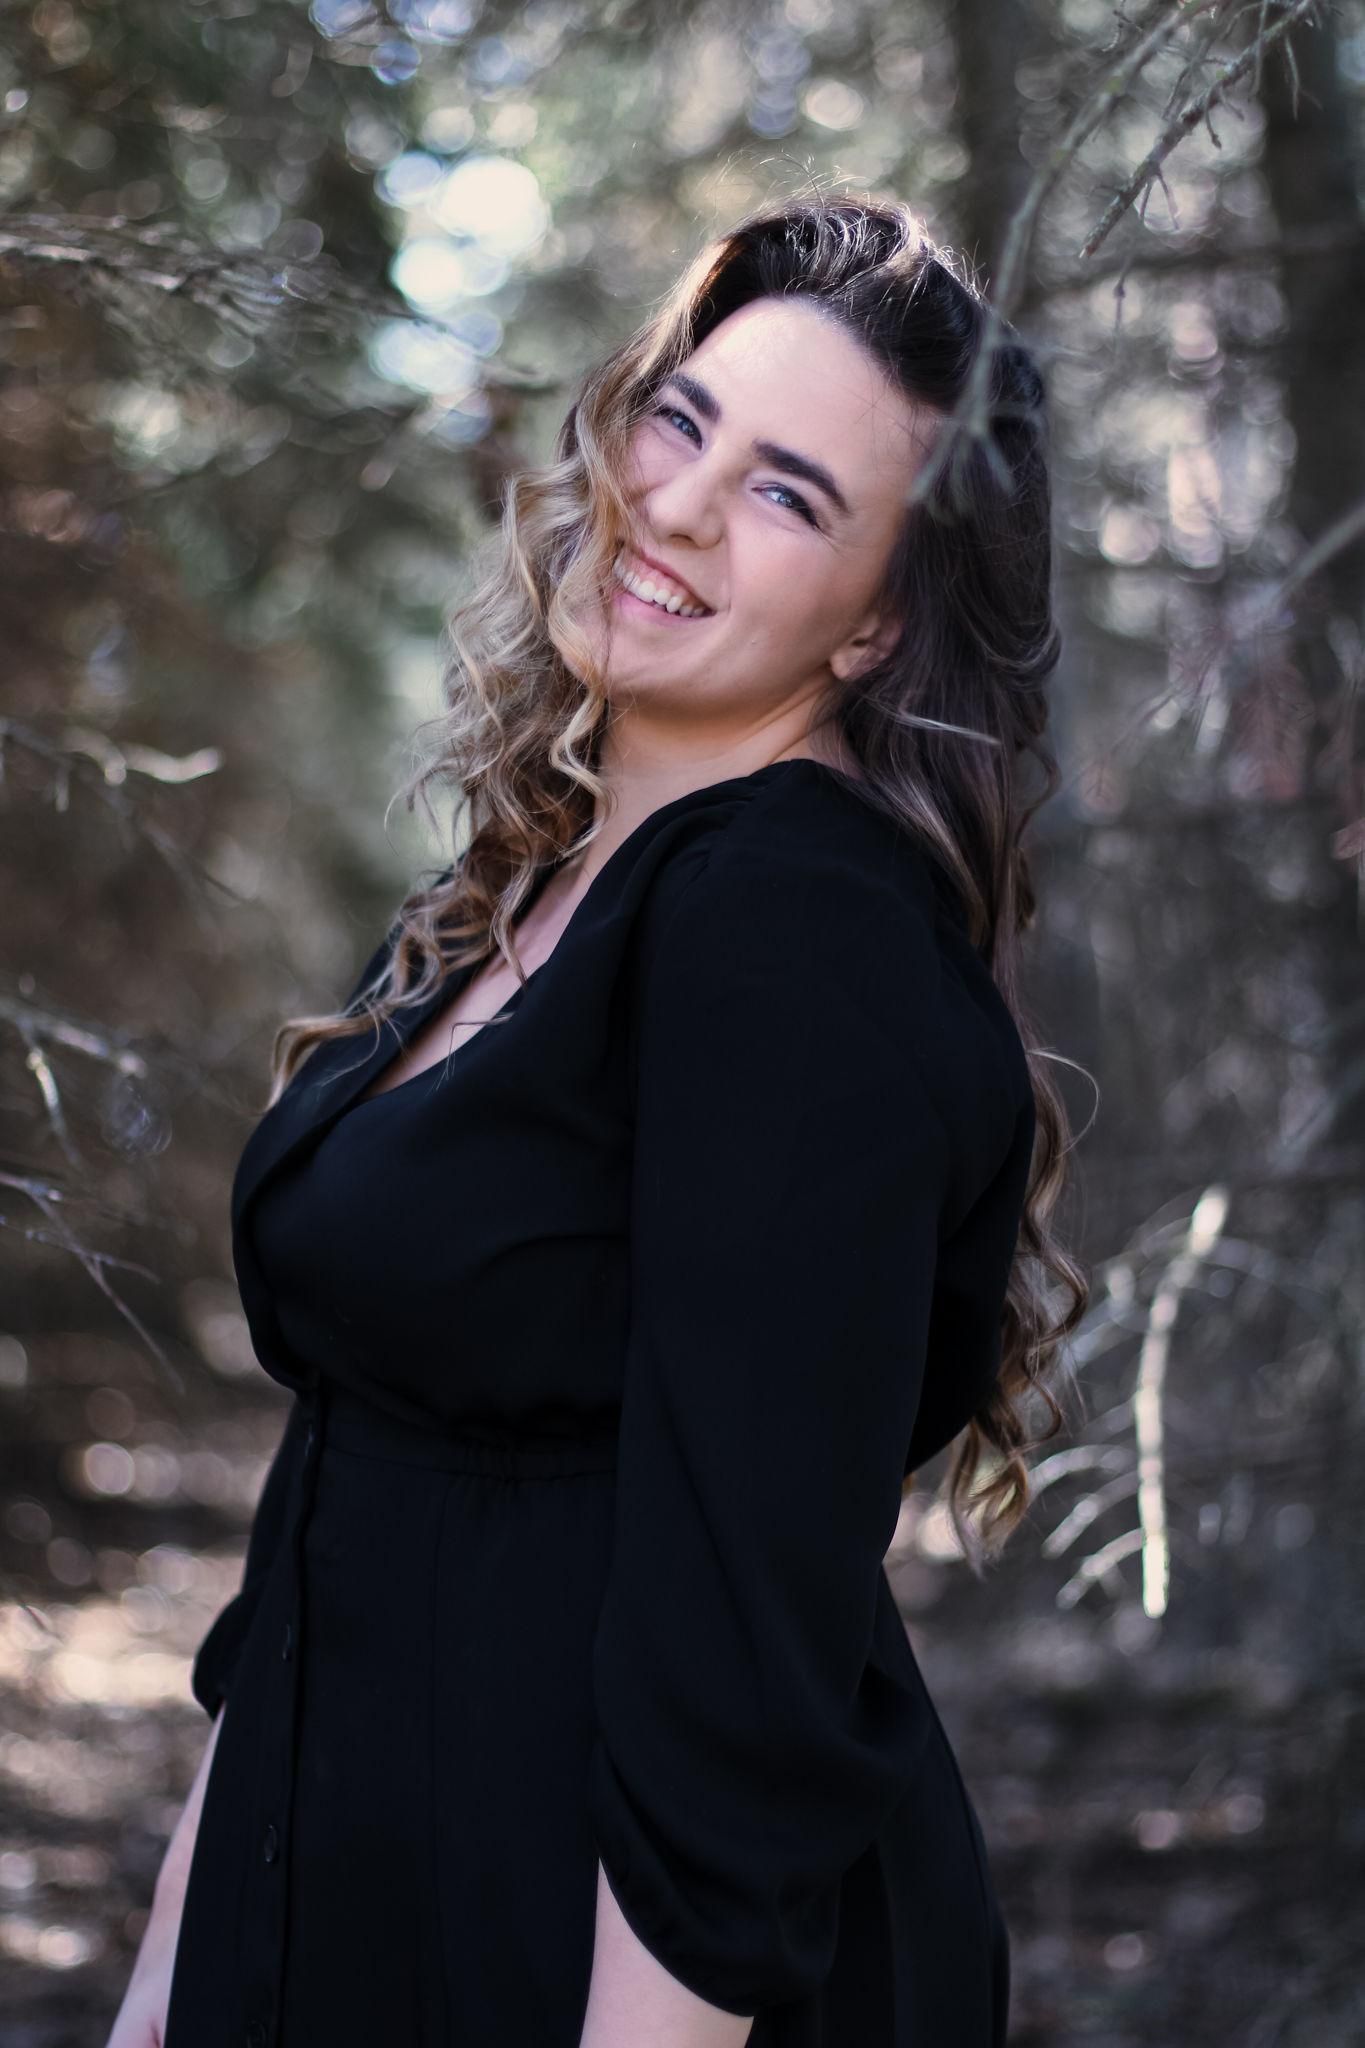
(788, 582)
(675, 1183)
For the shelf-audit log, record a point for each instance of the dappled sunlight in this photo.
(132, 1649)
(488, 212)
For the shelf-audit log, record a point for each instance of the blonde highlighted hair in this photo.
(943, 730)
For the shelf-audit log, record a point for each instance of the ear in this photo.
(870, 642)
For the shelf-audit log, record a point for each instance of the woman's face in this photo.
(768, 486)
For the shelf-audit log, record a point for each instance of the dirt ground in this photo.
(1163, 1821)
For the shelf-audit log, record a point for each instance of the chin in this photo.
(654, 671)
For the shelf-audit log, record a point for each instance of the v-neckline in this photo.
(425, 1015)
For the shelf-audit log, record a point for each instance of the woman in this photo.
(672, 1186)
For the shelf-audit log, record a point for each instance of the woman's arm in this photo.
(800, 1051)
(635, 2003)
(141, 2021)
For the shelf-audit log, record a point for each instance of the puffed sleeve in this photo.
(216, 1659)
(759, 1709)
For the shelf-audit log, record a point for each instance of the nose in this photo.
(688, 506)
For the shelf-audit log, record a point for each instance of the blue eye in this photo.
(794, 502)
(683, 421)
(781, 495)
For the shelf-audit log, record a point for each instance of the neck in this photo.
(643, 769)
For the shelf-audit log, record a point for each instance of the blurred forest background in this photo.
(285, 293)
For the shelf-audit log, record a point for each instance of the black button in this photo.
(257, 2034)
(287, 1641)
(272, 1843)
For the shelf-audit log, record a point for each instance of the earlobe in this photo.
(872, 642)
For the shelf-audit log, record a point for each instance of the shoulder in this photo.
(794, 853)
(792, 890)
(798, 870)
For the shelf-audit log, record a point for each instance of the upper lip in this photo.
(652, 562)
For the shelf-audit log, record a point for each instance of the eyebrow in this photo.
(785, 459)
(698, 395)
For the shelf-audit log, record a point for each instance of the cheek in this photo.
(649, 462)
(791, 589)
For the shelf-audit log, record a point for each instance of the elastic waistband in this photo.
(359, 1429)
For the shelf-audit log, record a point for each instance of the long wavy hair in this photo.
(946, 730)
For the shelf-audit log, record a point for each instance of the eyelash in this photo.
(796, 503)
(675, 412)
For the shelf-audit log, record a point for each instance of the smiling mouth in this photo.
(653, 586)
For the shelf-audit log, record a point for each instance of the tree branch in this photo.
(92, 766)
(970, 421)
(45, 1199)
(1148, 171)
(1206, 1224)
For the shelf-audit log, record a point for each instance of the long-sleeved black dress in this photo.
(613, 1339)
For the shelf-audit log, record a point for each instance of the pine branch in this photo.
(970, 424)
(1149, 170)
(245, 290)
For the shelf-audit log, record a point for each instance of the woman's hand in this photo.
(141, 2021)
(634, 2002)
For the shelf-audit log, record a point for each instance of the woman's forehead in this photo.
(784, 370)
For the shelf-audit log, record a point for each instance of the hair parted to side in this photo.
(947, 729)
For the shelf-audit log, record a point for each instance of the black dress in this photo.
(613, 1339)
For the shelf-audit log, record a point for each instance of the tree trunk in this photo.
(991, 38)
(1312, 170)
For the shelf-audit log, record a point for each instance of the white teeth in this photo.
(657, 593)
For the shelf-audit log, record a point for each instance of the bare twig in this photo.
(38, 1065)
(46, 1024)
(1149, 171)
(1267, 617)
(91, 766)
(39, 1027)
(1206, 1225)
(1078, 1458)
(1087, 1511)
(1337, 537)
(45, 1199)
(1101, 1565)
(31, 1234)
(1348, 1085)
(115, 762)
(240, 287)
(1287, 245)
(970, 421)
(970, 425)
